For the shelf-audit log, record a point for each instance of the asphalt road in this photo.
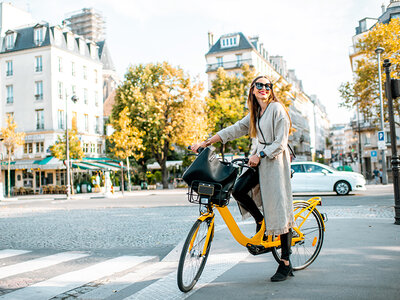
(140, 224)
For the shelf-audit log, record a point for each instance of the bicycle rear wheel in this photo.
(305, 251)
(192, 260)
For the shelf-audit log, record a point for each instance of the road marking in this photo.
(39, 263)
(68, 281)
(167, 288)
(119, 284)
(11, 252)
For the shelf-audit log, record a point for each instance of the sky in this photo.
(313, 36)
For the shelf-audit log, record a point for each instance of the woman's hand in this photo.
(254, 160)
(195, 147)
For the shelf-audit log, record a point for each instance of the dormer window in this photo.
(230, 41)
(39, 36)
(10, 39)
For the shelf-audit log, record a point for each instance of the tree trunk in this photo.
(129, 174)
(164, 172)
(9, 175)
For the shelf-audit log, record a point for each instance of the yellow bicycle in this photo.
(308, 234)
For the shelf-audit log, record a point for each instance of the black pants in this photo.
(240, 192)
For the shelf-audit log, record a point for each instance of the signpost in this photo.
(374, 156)
(381, 140)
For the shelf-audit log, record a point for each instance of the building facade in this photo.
(43, 67)
(366, 129)
(232, 51)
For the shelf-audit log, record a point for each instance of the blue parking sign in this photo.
(381, 136)
(374, 153)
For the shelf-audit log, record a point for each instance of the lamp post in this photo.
(379, 51)
(74, 99)
(392, 88)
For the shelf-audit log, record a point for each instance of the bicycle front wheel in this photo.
(305, 251)
(194, 253)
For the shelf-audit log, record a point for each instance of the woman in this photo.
(269, 122)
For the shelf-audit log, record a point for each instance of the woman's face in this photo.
(260, 90)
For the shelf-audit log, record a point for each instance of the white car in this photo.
(316, 177)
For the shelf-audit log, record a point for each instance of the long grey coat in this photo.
(274, 193)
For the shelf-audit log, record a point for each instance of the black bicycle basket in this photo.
(209, 179)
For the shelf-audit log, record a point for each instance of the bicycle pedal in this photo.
(257, 249)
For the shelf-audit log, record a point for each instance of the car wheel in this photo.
(342, 188)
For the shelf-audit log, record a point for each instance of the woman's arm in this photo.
(240, 128)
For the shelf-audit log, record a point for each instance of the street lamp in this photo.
(379, 51)
(74, 99)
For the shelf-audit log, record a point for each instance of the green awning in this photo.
(43, 161)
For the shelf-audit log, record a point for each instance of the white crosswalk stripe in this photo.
(167, 288)
(11, 252)
(104, 279)
(65, 282)
(39, 263)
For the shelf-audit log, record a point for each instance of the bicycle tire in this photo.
(306, 251)
(191, 262)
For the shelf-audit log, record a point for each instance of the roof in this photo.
(105, 56)
(244, 43)
(25, 40)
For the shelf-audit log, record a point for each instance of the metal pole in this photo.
(395, 158)
(359, 140)
(122, 176)
(67, 147)
(378, 51)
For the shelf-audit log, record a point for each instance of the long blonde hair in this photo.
(255, 108)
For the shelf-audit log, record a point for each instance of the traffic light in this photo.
(395, 84)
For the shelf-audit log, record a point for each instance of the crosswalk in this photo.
(120, 277)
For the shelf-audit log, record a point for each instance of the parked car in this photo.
(316, 177)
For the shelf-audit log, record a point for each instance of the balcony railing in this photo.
(373, 124)
(9, 73)
(229, 65)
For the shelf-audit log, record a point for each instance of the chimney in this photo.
(210, 39)
(383, 8)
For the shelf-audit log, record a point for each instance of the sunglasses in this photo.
(259, 86)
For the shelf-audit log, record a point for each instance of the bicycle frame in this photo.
(257, 239)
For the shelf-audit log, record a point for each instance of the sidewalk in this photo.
(360, 259)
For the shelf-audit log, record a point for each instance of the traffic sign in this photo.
(374, 153)
(381, 140)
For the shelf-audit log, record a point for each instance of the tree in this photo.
(226, 104)
(164, 103)
(58, 150)
(126, 140)
(364, 90)
(11, 140)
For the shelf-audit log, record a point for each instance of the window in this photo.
(60, 90)
(84, 72)
(9, 68)
(73, 69)
(39, 118)
(60, 119)
(99, 148)
(96, 98)
(39, 37)
(85, 96)
(220, 62)
(49, 178)
(313, 168)
(10, 41)
(39, 147)
(239, 59)
(86, 147)
(28, 148)
(10, 94)
(27, 178)
(10, 115)
(297, 168)
(60, 64)
(38, 90)
(97, 127)
(74, 120)
(86, 123)
(230, 41)
(93, 148)
(95, 76)
(38, 64)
